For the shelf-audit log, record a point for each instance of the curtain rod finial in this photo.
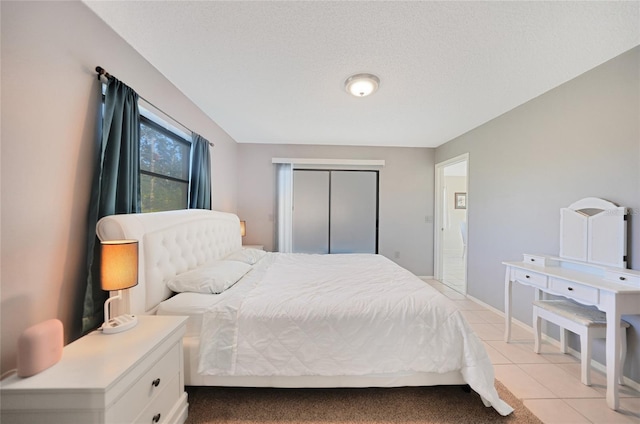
(101, 72)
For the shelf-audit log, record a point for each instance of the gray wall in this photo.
(406, 196)
(579, 140)
(49, 104)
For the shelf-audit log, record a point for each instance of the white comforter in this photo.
(329, 315)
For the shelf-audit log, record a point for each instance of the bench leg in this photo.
(585, 357)
(563, 340)
(623, 353)
(537, 331)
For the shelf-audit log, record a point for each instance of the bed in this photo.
(294, 320)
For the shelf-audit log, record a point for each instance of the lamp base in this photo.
(119, 324)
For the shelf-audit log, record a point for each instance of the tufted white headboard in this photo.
(169, 243)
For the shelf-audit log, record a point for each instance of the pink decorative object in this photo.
(39, 347)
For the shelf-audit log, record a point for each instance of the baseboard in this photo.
(499, 312)
(426, 277)
(598, 366)
(595, 364)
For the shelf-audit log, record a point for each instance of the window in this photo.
(164, 168)
(165, 157)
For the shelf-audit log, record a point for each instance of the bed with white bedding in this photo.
(294, 320)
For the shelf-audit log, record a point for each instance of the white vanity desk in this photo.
(615, 291)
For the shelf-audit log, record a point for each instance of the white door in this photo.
(451, 223)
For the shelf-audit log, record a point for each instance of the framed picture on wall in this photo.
(460, 201)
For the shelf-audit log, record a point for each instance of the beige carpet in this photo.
(441, 404)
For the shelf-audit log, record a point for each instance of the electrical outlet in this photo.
(396, 255)
(428, 219)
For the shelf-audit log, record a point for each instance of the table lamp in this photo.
(243, 228)
(118, 271)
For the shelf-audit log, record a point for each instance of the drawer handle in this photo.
(532, 260)
(155, 383)
(156, 418)
(622, 278)
(570, 288)
(526, 276)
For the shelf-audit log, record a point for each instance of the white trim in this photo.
(284, 207)
(501, 313)
(439, 219)
(299, 163)
(601, 367)
(156, 115)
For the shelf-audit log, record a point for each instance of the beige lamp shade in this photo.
(119, 267)
(243, 228)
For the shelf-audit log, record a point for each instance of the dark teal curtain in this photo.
(116, 184)
(200, 192)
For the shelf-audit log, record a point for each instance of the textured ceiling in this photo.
(273, 72)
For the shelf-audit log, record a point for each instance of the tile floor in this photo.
(548, 383)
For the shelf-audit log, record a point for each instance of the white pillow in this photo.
(214, 277)
(248, 256)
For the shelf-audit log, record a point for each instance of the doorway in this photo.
(451, 223)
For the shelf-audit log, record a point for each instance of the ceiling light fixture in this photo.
(361, 85)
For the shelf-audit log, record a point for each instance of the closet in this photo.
(335, 211)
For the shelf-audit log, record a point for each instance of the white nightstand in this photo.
(136, 376)
(253, 246)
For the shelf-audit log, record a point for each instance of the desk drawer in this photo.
(535, 260)
(574, 291)
(530, 278)
(623, 277)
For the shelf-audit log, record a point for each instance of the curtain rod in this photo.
(102, 73)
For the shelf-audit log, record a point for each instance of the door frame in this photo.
(438, 221)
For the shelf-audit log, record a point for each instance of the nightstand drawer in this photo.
(574, 291)
(148, 387)
(531, 278)
(159, 410)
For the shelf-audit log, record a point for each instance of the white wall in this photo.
(406, 196)
(579, 140)
(49, 104)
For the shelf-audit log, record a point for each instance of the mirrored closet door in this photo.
(335, 211)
